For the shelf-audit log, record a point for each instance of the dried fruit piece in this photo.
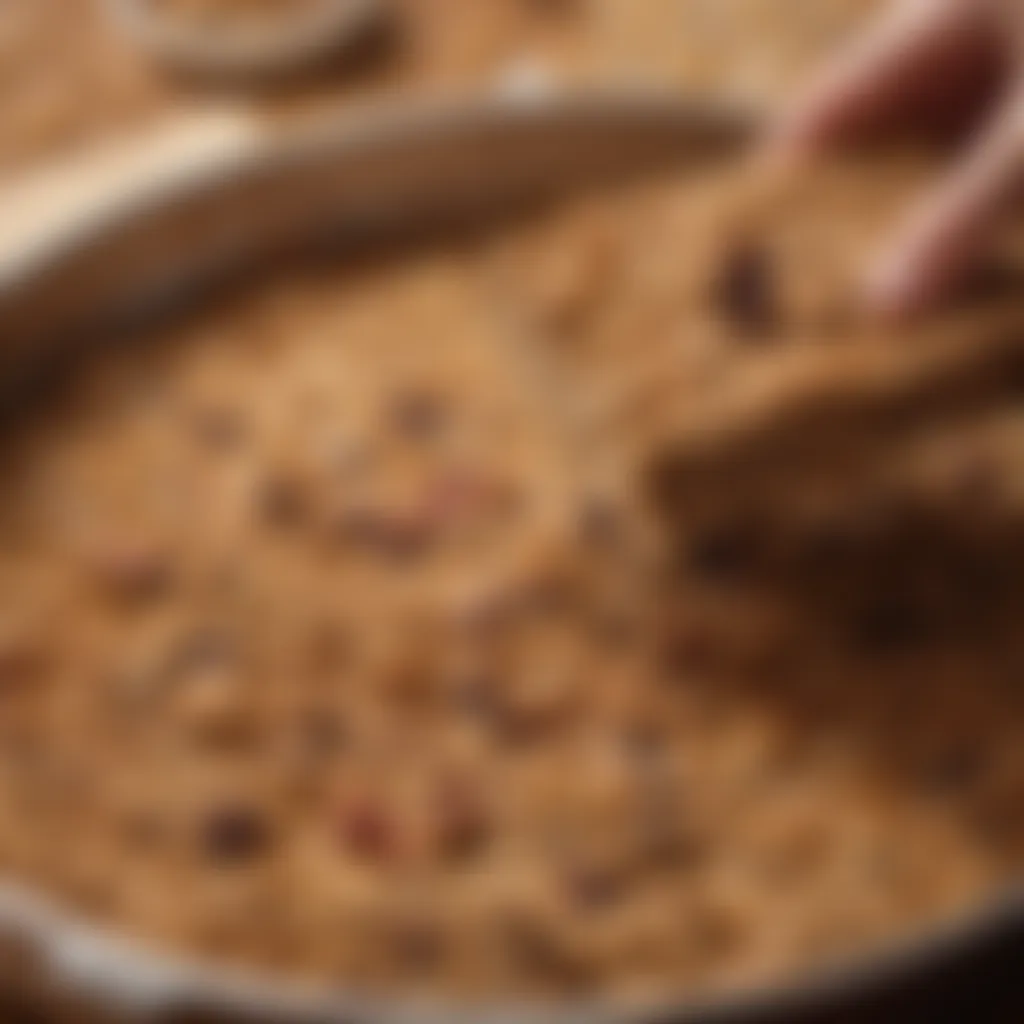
(745, 291)
(234, 834)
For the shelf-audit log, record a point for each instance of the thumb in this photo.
(945, 234)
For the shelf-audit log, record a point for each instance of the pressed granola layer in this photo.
(376, 665)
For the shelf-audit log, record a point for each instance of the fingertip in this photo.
(927, 264)
(799, 136)
(892, 289)
(780, 156)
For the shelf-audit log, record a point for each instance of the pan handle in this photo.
(206, 194)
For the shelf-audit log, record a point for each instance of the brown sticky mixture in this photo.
(378, 666)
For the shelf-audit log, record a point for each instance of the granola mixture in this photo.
(376, 664)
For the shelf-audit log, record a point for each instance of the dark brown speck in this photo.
(745, 291)
(234, 834)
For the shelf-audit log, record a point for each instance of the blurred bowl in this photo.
(296, 44)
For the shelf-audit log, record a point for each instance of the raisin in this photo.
(745, 291)
(234, 834)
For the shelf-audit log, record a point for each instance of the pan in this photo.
(138, 229)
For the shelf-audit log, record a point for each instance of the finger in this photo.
(947, 232)
(925, 55)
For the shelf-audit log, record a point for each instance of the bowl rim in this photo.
(137, 980)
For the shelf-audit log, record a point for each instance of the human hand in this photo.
(925, 63)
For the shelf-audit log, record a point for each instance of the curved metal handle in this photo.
(203, 196)
(48, 212)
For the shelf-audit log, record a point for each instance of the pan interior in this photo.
(378, 665)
